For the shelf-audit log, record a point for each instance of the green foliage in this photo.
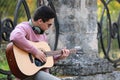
(3, 60)
(114, 9)
(3, 63)
(7, 8)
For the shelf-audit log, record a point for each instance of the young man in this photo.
(33, 30)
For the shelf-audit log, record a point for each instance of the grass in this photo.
(3, 63)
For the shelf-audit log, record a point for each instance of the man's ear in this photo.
(40, 21)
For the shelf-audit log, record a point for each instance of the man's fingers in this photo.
(43, 57)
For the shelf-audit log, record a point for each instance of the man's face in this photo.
(46, 25)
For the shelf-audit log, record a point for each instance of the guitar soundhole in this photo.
(38, 62)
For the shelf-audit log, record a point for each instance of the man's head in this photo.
(45, 13)
(43, 17)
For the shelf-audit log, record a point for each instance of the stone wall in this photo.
(78, 24)
(78, 27)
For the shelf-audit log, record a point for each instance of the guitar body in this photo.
(20, 63)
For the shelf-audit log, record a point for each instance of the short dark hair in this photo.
(44, 12)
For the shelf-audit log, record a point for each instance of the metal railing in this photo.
(109, 32)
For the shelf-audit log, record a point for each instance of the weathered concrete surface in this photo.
(107, 76)
(82, 65)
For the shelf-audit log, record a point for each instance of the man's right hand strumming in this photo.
(41, 56)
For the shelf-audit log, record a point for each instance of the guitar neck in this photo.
(58, 52)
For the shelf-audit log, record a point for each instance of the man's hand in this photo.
(65, 53)
(41, 56)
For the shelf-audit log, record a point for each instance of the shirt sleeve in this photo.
(18, 37)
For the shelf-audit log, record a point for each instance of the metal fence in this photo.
(109, 32)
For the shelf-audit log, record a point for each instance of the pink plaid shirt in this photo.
(22, 33)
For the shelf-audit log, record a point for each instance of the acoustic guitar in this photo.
(22, 64)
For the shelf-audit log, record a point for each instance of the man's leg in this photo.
(41, 75)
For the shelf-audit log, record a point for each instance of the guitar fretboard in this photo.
(58, 52)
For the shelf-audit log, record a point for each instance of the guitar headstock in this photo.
(79, 49)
